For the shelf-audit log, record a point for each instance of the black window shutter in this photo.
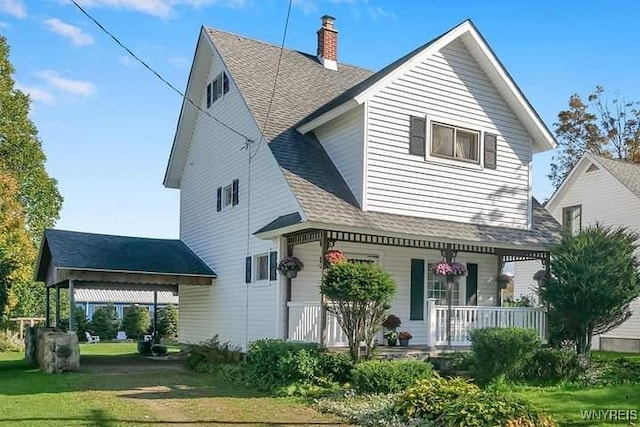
(247, 270)
(225, 83)
(219, 201)
(273, 265)
(214, 91)
(490, 151)
(472, 284)
(235, 189)
(209, 95)
(417, 290)
(417, 137)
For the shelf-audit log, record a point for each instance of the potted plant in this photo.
(290, 266)
(159, 350)
(503, 280)
(443, 268)
(404, 338)
(392, 338)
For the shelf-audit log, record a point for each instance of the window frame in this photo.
(226, 204)
(461, 284)
(456, 127)
(217, 88)
(565, 211)
(256, 267)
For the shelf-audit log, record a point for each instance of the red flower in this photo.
(335, 256)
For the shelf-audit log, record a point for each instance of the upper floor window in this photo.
(217, 88)
(572, 219)
(262, 267)
(229, 195)
(454, 142)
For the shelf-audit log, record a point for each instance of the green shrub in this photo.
(370, 410)
(82, 323)
(497, 351)
(136, 321)
(168, 322)
(604, 372)
(232, 373)
(380, 376)
(203, 357)
(336, 366)
(491, 409)
(159, 350)
(10, 341)
(273, 364)
(547, 366)
(428, 398)
(105, 322)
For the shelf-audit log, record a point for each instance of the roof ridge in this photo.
(208, 28)
(110, 235)
(620, 161)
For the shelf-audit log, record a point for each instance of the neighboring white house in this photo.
(603, 190)
(429, 156)
(92, 299)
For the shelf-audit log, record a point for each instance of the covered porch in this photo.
(421, 297)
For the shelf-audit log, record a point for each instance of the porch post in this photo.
(72, 323)
(498, 273)
(47, 308)
(156, 339)
(547, 269)
(448, 254)
(324, 245)
(287, 295)
(431, 320)
(57, 305)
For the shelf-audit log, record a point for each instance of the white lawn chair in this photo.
(92, 339)
(122, 336)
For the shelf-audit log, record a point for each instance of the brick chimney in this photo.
(328, 43)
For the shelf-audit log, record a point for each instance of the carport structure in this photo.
(76, 260)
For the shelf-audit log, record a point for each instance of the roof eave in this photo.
(328, 116)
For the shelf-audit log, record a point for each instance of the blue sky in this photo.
(107, 124)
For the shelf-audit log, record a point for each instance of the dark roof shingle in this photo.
(72, 249)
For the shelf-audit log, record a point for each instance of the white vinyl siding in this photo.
(343, 140)
(603, 198)
(447, 87)
(220, 238)
(397, 262)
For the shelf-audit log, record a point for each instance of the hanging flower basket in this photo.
(290, 266)
(503, 280)
(443, 268)
(335, 256)
(541, 276)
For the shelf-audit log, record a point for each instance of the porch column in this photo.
(498, 273)
(156, 339)
(72, 305)
(57, 305)
(47, 307)
(324, 245)
(287, 296)
(449, 255)
(431, 320)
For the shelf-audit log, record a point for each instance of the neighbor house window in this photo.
(437, 288)
(217, 88)
(455, 142)
(363, 259)
(227, 195)
(572, 219)
(262, 267)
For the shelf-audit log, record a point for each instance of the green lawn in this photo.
(609, 355)
(144, 396)
(565, 405)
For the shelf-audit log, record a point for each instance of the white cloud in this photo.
(37, 94)
(307, 6)
(15, 8)
(160, 8)
(81, 88)
(178, 61)
(126, 60)
(377, 13)
(76, 34)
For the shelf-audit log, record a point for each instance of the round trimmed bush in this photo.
(382, 376)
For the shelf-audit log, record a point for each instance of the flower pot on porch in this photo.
(392, 343)
(291, 274)
(404, 343)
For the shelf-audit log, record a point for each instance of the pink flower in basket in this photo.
(443, 268)
(335, 256)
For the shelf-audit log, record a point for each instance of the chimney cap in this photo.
(328, 19)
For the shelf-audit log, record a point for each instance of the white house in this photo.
(604, 190)
(92, 299)
(429, 156)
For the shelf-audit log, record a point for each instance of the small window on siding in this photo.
(572, 219)
(262, 267)
(455, 143)
(217, 88)
(227, 195)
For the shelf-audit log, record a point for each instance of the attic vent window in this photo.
(592, 168)
(217, 88)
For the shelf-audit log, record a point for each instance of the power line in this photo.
(275, 80)
(157, 74)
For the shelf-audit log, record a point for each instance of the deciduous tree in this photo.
(609, 128)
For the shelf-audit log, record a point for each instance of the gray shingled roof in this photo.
(88, 251)
(626, 172)
(305, 88)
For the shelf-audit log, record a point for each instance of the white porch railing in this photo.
(466, 318)
(304, 324)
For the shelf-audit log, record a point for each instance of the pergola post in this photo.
(57, 305)
(499, 268)
(156, 339)
(72, 304)
(47, 308)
